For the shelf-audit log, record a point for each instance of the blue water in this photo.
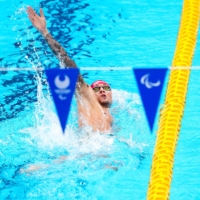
(95, 34)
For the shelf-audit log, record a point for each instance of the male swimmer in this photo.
(93, 101)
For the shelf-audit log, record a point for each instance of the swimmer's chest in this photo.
(95, 115)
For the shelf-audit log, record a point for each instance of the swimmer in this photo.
(94, 101)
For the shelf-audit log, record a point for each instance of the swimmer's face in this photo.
(103, 94)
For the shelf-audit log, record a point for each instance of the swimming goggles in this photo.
(106, 88)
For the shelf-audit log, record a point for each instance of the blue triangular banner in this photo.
(62, 83)
(150, 84)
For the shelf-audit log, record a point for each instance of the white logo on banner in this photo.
(62, 86)
(145, 81)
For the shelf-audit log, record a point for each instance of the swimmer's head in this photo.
(103, 92)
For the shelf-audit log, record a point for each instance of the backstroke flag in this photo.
(62, 83)
(150, 84)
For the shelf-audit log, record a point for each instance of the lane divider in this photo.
(172, 112)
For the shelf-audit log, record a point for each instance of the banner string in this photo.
(100, 68)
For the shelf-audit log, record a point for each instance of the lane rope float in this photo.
(172, 112)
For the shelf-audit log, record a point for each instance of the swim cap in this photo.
(98, 82)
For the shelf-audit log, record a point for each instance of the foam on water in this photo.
(47, 133)
(47, 128)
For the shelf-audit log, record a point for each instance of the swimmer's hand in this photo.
(32, 168)
(39, 22)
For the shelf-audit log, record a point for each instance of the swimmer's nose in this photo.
(101, 89)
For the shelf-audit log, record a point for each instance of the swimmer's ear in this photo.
(41, 12)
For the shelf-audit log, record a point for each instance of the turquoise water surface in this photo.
(95, 34)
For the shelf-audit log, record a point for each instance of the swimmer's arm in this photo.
(39, 22)
(35, 167)
(61, 54)
(58, 50)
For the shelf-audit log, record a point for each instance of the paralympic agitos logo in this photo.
(62, 83)
(145, 81)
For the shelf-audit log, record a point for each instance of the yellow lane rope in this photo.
(171, 114)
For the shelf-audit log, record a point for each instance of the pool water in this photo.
(82, 164)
